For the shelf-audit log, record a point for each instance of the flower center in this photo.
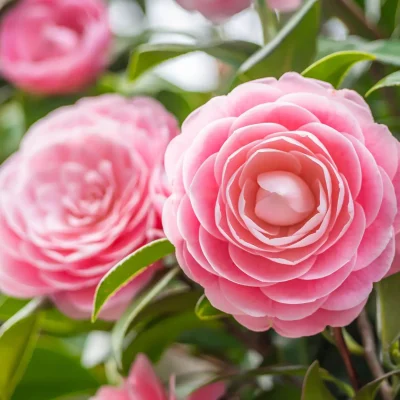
(283, 198)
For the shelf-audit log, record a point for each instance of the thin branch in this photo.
(252, 340)
(353, 15)
(367, 336)
(345, 354)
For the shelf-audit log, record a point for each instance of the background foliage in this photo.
(46, 356)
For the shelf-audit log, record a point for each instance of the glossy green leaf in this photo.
(334, 68)
(313, 385)
(206, 311)
(18, 337)
(384, 51)
(388, 300)
(149, 56)
(156, 339)
(390, 18)
(52, 321)
(292, 49)
(11, 129)
(388, 81)
(53, 373)
(369, 391)
(127, 269)
(121, 327)
(36, 107)
(342, 386)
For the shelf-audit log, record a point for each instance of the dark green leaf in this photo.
(313, 385)
(53, 372)
(138, 306)
(385, 51)
(148, 56)
(157, 338)
(390, 18)
(334, 68)
(388, 298)
(205, 310)
(342, 386)
(18, 337)
(390, 80)
(369, 391)
(11, 129)
(181, 103)
(51, 320)
(37, 107)
(291, 50)
(127, 269)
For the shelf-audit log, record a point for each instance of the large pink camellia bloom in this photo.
(54, 46)
(283, 203)
(143, 384)
(75, 199)
(219, 10)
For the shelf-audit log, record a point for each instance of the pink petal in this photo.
(379, 233)
(317, 322)
(209, 392)
(266, 270)
(289, 115)
(299, 291)
(342, 252)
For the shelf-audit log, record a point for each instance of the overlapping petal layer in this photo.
(284, 203)
(76, 199)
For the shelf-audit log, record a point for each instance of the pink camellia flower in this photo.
(143, 384)
(54, 46)
(75, 199)
(219, 10)
(283, 203)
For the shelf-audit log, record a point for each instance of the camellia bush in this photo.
(162, 239)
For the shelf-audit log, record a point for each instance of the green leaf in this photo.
(206, 311)
(11, 129)
(390, 18)
(51, 321)
(127, 269)
(385, 51)
(334, 68)
(18, 337)
(139, 305)
(388, 81)
(148, 56)
(342, 386)
(159, 336)
(53, 373)
(313, 385)
(36, 107)
(388, 299)
(369, 391)
(292, 49)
